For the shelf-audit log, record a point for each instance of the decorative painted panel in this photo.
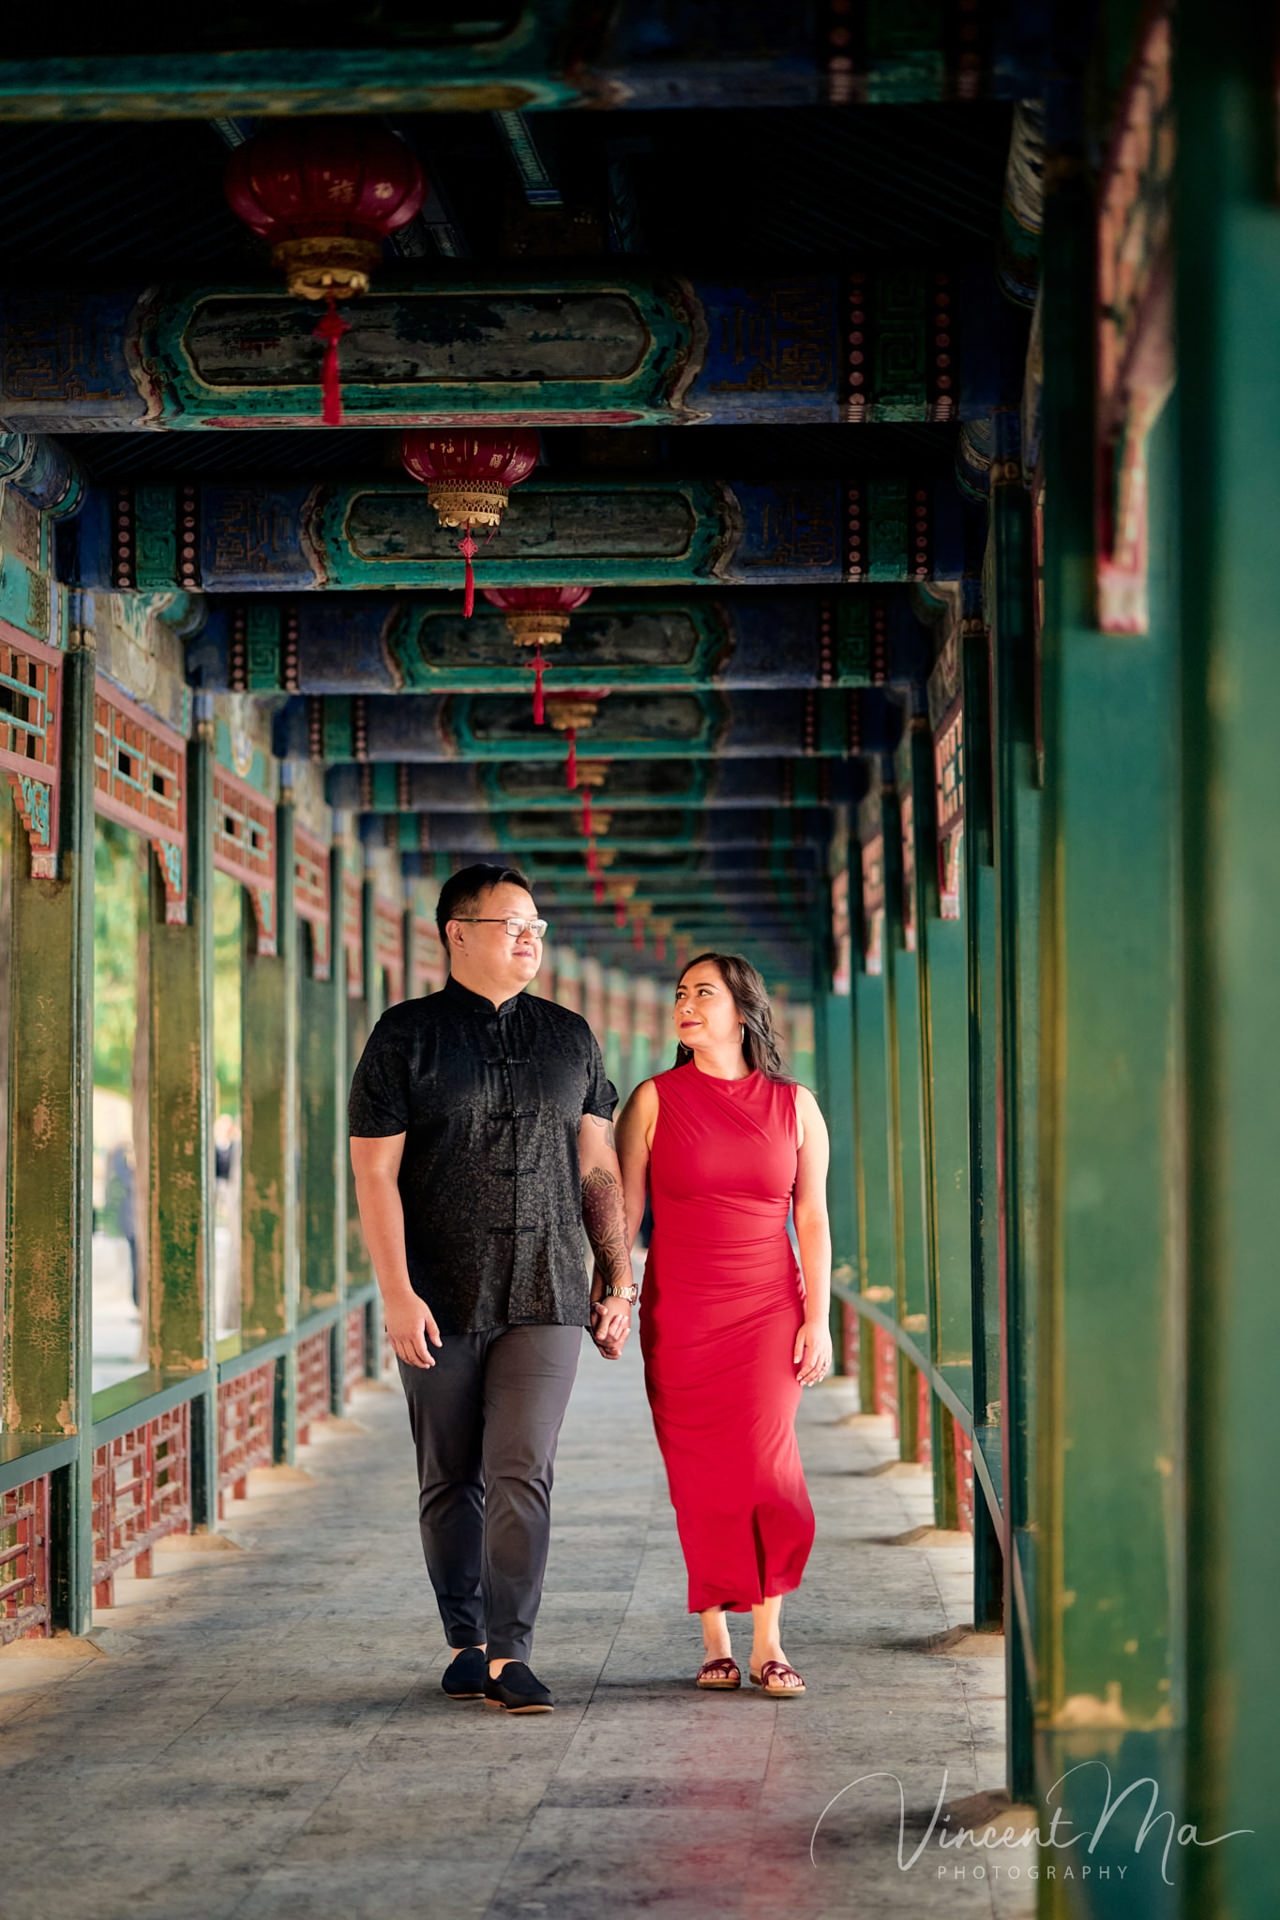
(1135, 352)
(140, 780)
(946, 722)
(353, 933)
(244, 846)
(311, 896)
(388, 946)
(603, 532)
(30, 710)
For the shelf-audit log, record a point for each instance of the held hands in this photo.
(610, 1319)
(813, 1353)
(409, 1326)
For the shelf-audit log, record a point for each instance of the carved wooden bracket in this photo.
(30, 706)
(140, 780)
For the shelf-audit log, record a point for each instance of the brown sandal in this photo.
(727, 1667)
(767, 1675)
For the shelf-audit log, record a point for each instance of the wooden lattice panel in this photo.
(353, 933)
(885, 1355)
(852, 1328)
(141, 1492)
(30, 705)
(140, 780)
(946, 725)
(428, 971)
(873, 902)
(311, 896)
(315, 1386)
(924, 1422)
(24, 1561)
(244, 846)
(246, 1429)
(356, 1349)
(388, 947)
(964, 1477)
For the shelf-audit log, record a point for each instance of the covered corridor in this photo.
(266, 1737)
(798, 480)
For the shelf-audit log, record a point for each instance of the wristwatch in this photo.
(630, 1292)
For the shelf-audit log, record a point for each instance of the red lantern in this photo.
(537, 617)
(326, 193)
(468, 477)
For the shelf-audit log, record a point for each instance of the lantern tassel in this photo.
(593, 864)
(467, 547)
(539, 668)
(330, 330)
(573, 758)
(599, 891)
(587, 827)
(619, 915)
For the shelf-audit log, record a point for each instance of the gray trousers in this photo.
(485, 1421)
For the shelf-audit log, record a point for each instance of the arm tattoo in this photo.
(598, 1120)
(604, 1215)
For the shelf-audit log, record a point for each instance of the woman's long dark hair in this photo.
(759, 1041)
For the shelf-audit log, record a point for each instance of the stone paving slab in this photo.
(268, 1739)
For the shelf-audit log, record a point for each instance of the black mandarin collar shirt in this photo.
(489, 1100)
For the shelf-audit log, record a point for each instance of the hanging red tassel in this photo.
(593, 864)
(599, 889)
(539, 668)
(331, 330)
(467, 548)
(573, 758)
(587, 827)
(619, 915)
(637, 938)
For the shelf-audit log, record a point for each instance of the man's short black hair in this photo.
(462, 892)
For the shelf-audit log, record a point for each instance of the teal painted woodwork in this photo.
(1225, 584)
(605, 531)
(480, 786)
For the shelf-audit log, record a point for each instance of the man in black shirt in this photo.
(482, 1143)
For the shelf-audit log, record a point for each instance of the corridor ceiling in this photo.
(749, 667)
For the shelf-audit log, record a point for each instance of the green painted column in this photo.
(269, 1013)
(49, 1388)
(1018, 826)
(337, 1006)
(1228, 296)
(1109, 1438)
(204, 1409)
(871, 1075)
(363, 1018)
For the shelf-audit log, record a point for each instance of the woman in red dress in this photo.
(730, 1331)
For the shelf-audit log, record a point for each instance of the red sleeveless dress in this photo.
(721, 1307)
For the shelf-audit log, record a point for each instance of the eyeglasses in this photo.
(513, 926)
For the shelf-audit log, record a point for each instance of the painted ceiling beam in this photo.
(426, 727)
(545, 832)
(545, 53)
(617, 784)
(350, 643)
(42, 472)
(502, 351)
(601, 531)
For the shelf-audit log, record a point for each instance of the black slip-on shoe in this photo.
(517, 1690)
(465, 1675)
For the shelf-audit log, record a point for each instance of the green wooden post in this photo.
(204, 1409)
(337, 1015)
(49, 1387)
(876, 1213)
(1228, 295)
(371, 1009)
(1018, 827)
(1111, 1103)
(270, 1098)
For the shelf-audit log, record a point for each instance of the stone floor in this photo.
(262, 1734)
